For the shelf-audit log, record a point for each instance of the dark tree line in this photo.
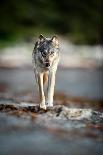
(80, 20)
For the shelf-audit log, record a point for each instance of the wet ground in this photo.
(73, 126)
(25, 129)
(87, 83)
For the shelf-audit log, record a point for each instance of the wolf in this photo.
(45, 58)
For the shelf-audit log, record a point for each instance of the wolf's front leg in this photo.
(41, 92)
(50, 89)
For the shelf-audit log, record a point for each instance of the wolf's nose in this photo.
(47, 64)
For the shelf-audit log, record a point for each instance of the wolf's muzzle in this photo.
(47, 64)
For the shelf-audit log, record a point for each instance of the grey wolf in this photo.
(45, 59)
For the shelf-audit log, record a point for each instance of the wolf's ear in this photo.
(41, 38)
(55, 41)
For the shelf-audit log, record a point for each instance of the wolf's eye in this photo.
(43, 54)
(52, 53)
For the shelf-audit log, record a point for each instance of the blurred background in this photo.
(80, 22)
(78, 25)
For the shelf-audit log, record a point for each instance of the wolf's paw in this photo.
(43, 106)
(50, 105)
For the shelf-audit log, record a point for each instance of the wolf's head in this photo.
(47, 49)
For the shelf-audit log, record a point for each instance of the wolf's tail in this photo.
(45, 78)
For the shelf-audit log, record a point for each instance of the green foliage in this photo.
(80, 21)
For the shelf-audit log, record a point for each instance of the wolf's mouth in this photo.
(45, 64)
